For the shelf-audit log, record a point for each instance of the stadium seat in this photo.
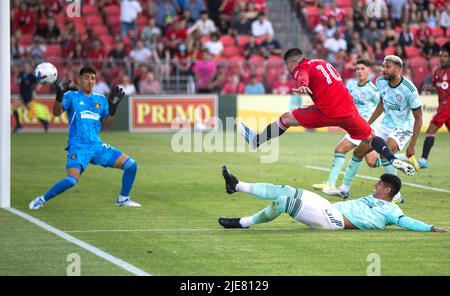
(231, 51)
(227, 41)
(441, 40)
(344, 3)
(53, 50)
(260, 39)
(113, 20)
(233, 67)
(412, 51)
(100, 30)
(93, 20)
(26, 39)
(420, 69)
(389, 50)
(434, 63)
(142, 21)
(243, 40)
(89, 10)
(256, 60)
(112, 10)
(437, 32)
(311, 11)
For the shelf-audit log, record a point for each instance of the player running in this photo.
(366, 98)
(402, 121)
(88, 112)
(441, 80)
(375, 211)
(333, 106)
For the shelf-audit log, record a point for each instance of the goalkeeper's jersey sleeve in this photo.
(85, 115)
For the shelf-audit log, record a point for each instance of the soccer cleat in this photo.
(405, 167)
(37, 203)
(398, 199)
(128, 203)
(336, 192)
(230, 222)
(249, 136)
(230, 180)
(322, 186)
(422, 164)
(413, 161)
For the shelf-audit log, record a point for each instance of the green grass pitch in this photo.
(176, 230)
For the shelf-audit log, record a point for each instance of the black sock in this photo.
(273, 130)
(381, 147)
(16, 116)
(44, 124)
(429, 142)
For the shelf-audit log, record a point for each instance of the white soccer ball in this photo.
(45, 73)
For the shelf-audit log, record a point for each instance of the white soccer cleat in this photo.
(37, 203)
(128, 203)
(405, 167)
(249, 136)
(336, 192)
(398, 199)
(322, 186)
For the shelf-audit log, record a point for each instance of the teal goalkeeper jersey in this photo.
(398, 102)
(366, 97)
(373, 213)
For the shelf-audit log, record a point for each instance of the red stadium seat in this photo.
(227, 41)
(112, 10)
(231, 51)
(310, 11)
(53, 50)
(260, 39)
(412, 51)
(100, 30)
(344, 3)
(142, 20)
(26, 39)
(107, 40)
(441, 40)
(434, 63)
(89, 10)
(420, 69)
(113, 20)
(437, 32)
(256, 60)
(389, 50)
(93, 20)
(243, 40)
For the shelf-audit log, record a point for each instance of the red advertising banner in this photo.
(40, 108)
(168, 113)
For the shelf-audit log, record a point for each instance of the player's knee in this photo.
(72, 181)
(280, 204)
(130, 165)
(286, 119)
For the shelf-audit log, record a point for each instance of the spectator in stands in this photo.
(372, 34)
(390, 35)
(129, 11)
(140, 54)
(414, 15)
(400, 51)
(42, 14)
(17, 50)
(162, 58)
(50, 33)
(378, 52)
(204, 71)
(150, 30)
(261, 26)
(127, 87)
(96, 54)
(139, 75)
(282, 86)
(188, 19)
(335, 12)
(333, 45)
(117, 55)
(214, 46)
(149, 85)
(176, 34)
(349, 29)
(100, 85)
(166, 12)
(196, 7)
(182, 60)
(432, 16)
(406, 38)
(254, 87)
(431, 48)
(54, 6)
(270, 46)
(24, 19)
(445, 18)
(422, 35)
(224, 26)
(251, 48)
(331, 27)
(37, 50)
(360, 17)
(233, 86)
(204, 25)
(227, 6)
(243, 25)
(321, 27)
(397, 8)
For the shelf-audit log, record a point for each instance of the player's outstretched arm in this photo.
(114, 99)
(61, 87)
(417, 225)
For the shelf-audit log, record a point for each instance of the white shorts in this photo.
(351, 140)
(399, 135)
(318, 213)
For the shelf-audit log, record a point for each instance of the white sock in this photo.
(123, 198)
(401, 156)
(423, 160)
(345, 187)
(397, 196)
(243, 187)
(246, 221)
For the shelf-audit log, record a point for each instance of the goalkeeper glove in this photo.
(114, 99)
(61, 87)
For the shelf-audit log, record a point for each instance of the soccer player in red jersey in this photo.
(441, 80)
(333, 106)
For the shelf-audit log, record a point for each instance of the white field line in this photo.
(373, 178)
(172, 230)
(96, 251)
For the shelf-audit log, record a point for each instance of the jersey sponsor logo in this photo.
(332, 219)
(97, 105)
(393, 107)
(90, 115)
(73, 156)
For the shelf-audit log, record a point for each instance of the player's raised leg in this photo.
(129, 167)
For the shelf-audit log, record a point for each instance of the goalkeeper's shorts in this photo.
(104, 155)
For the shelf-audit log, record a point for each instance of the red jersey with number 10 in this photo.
(441, 80)
(329, 93)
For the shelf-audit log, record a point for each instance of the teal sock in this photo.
(388, 168)
(270, 191)
(352, 170)
(401, 156)
(338, 163)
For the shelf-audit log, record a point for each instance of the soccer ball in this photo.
(45, 73)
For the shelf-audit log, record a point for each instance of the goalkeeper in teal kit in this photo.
(88, 113)
(375, 211)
